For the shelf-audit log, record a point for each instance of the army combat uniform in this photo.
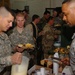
(72, 54)
(5, 51)
(21, 38)
(48, 38)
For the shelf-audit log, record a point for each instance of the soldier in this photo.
(6, 58)
(21, 35)
(49, 35)
(34, 30)
(68, 9)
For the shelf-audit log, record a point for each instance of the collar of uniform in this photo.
(73, 36)
(34, 23)
(3, 36)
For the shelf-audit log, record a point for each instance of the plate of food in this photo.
(26, 46)
(46, 63)
(57, 25)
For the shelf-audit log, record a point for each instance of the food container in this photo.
(22, 68)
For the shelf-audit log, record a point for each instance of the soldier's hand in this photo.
(41, 33)
(19, 49)
(16, 58)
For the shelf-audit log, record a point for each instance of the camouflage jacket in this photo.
(5, 51)
(21, 38)
(72, 54)
(48, 37)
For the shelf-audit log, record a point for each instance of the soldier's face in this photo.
(6, 22)
(47, 16)
(68, 14)
(20, 20)
(54, 13)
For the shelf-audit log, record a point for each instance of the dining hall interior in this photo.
(39, 30)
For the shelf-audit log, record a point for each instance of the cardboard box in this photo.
(37, 67)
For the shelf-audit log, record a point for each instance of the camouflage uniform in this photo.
(42, 23)
(72, 54)
(33, 54)
(48, 38)
(5, 51)
(21, 38)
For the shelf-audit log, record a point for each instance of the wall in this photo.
(35, 6)
(38, 7)
(56, 3)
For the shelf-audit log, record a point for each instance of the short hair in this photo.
(21, 14)
(34, 17)
(4, 11)
(50, 18)
(58, 10)
(46, 12)
(70, 3)
(65, 1)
